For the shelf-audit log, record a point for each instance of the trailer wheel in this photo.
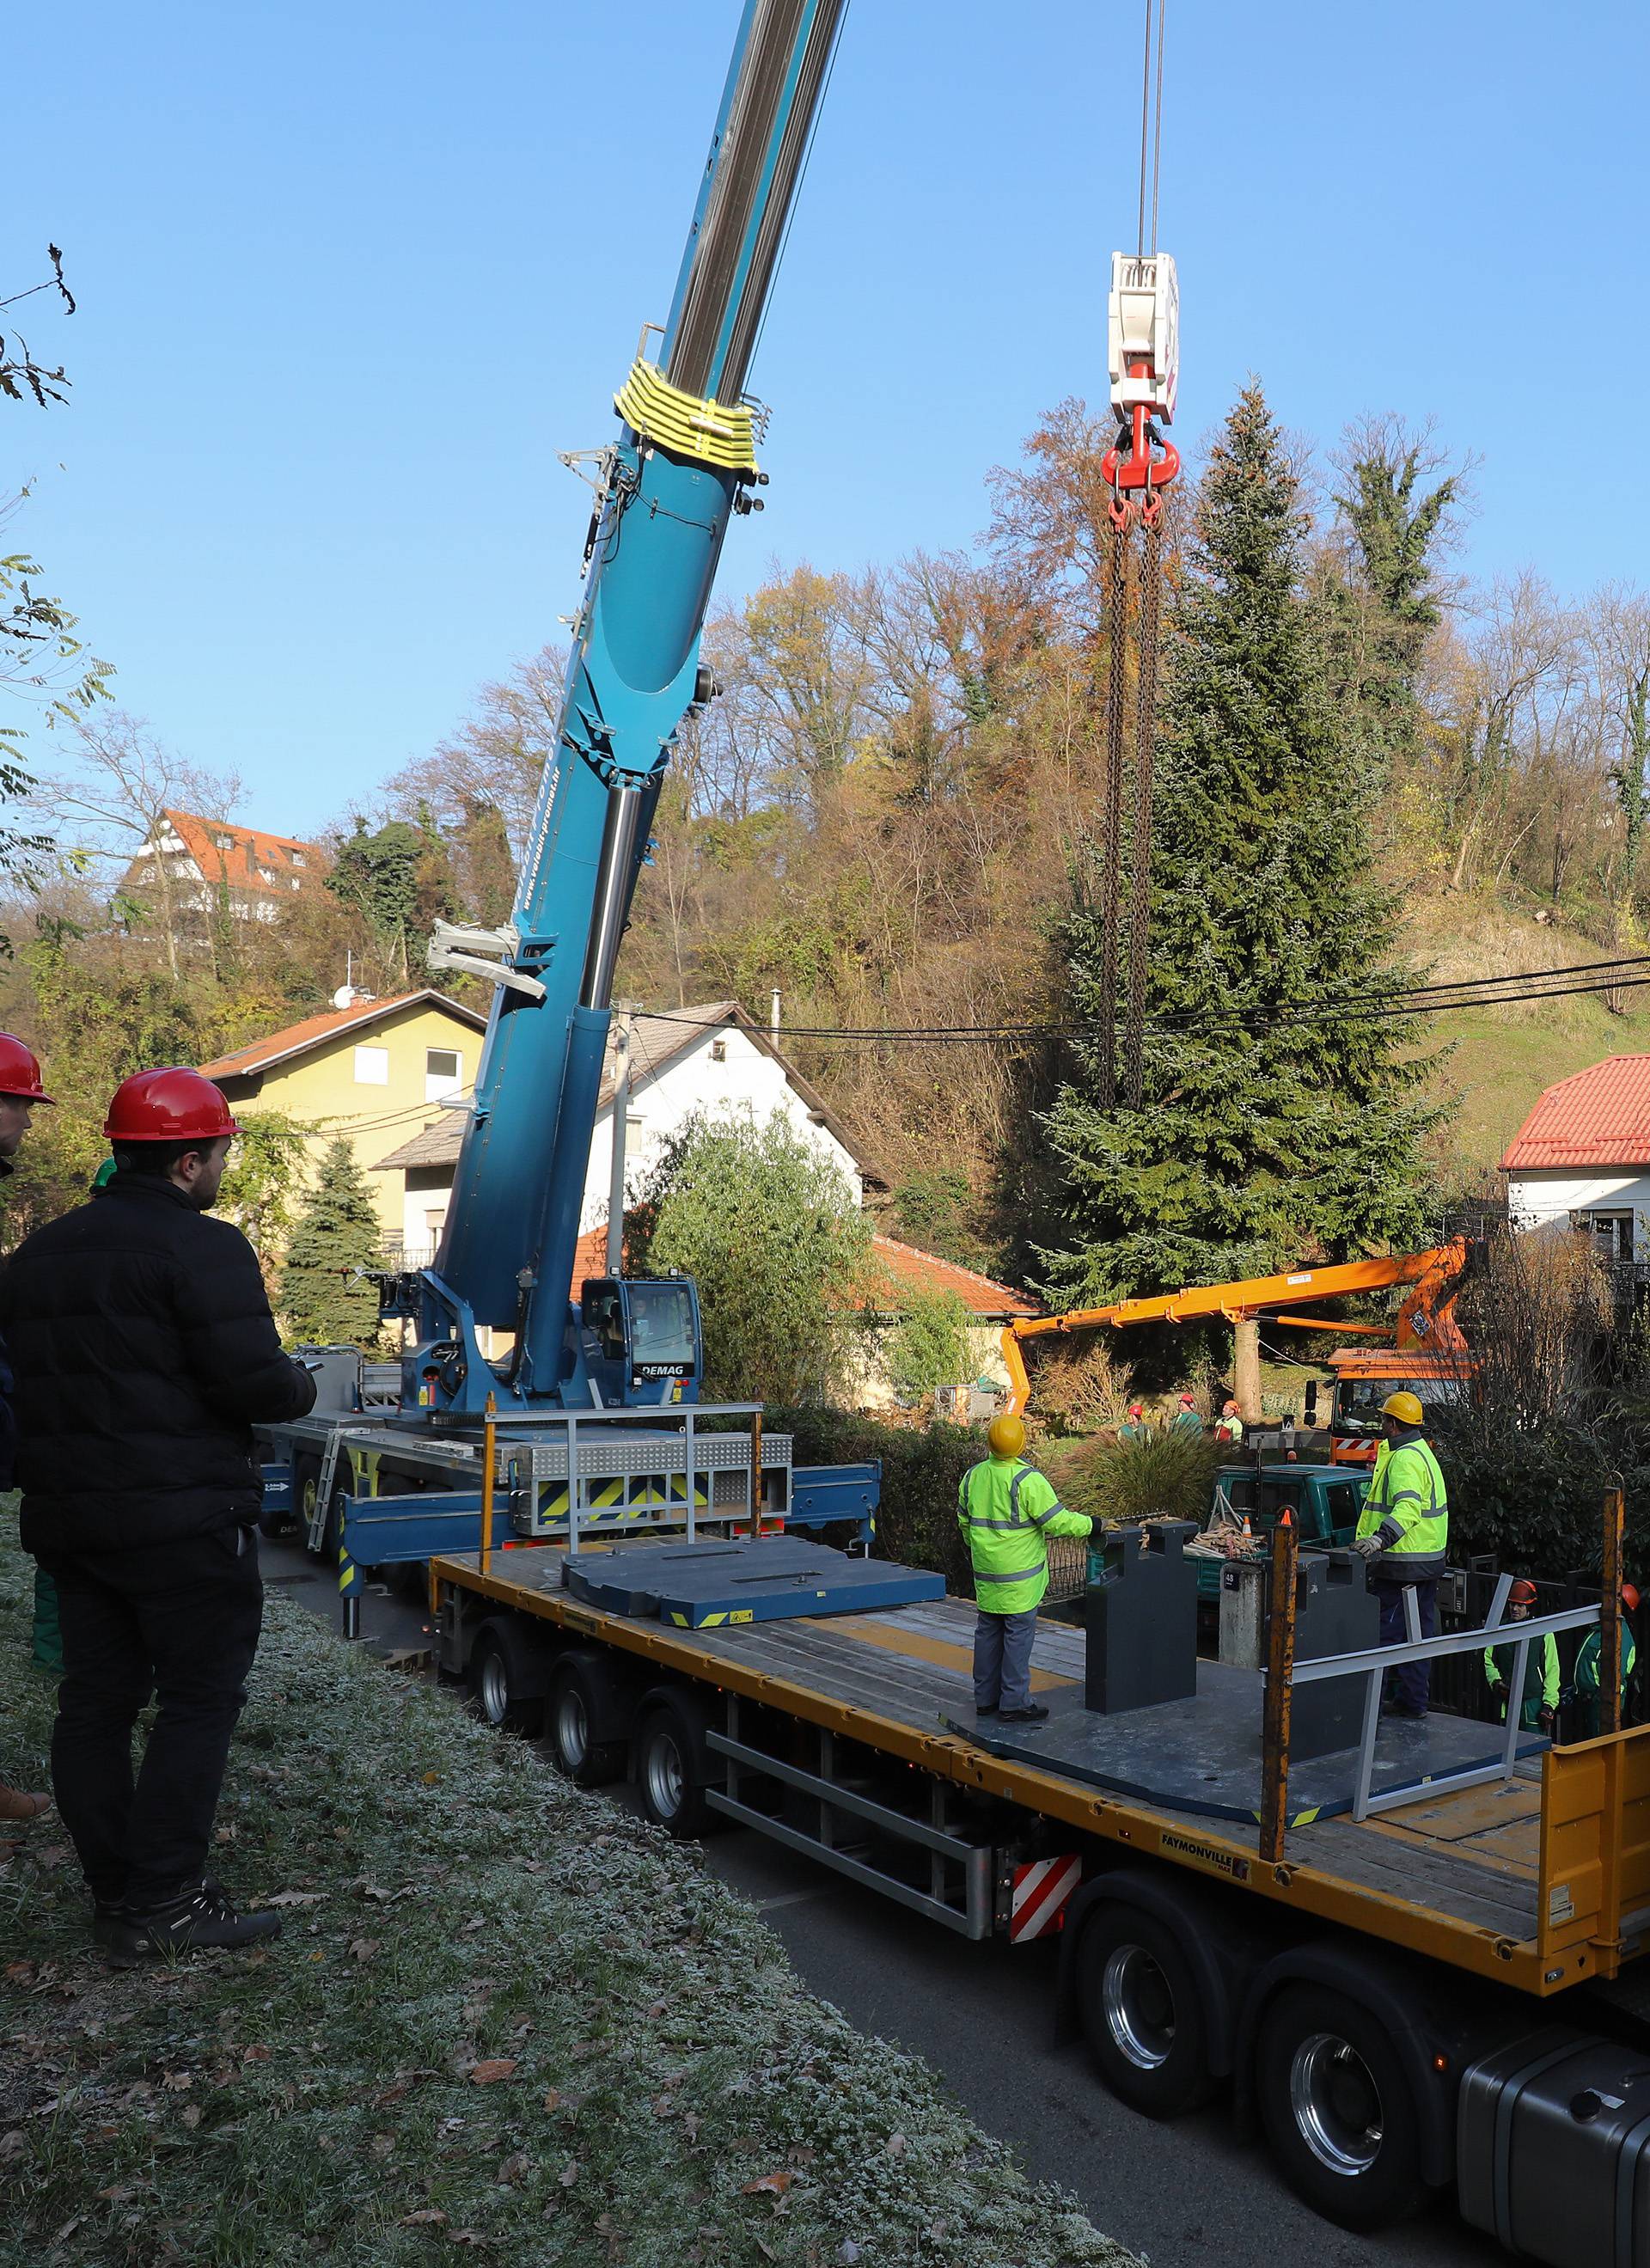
(501, 1667)
(576, 1706)
(1142, 2014)
(670, 1767)
(1337, 2109)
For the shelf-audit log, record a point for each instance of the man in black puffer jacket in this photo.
(145, 1350)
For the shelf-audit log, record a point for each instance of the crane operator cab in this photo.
(641, 1339)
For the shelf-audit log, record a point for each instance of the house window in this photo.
(444, 1073)
(718, 1050)
(1613, 1231)
(296, 857)
(372, 1066)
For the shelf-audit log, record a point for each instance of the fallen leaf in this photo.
(259, 2054)
(364, 1947)
(517, 2168)
(224, 1835)
(491, 2069)
(68, 2228)
(848, 2253)
(896, 2145)
(178, 2082)
(428, 2216)
(568, 2174)
(382, 2144)
(470, 1927)
(773, 2184)
(191, 2114)
(118, 2195)
(292, 1899)
(432, 1780)
(552, 2098)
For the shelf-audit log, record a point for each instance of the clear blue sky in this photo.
(351, 276)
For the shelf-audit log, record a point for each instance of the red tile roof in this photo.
(911, 1271)
(249, 859)
(1597, 1117)
(312, 1031)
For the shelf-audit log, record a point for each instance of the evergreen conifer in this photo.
(1271, 1130)
(337, 1231)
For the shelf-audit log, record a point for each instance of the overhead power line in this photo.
(1629, 974)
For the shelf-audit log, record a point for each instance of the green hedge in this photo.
(920, 1470)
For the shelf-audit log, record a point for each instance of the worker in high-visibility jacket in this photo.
(1403, 1531)
(1538, 1705)
(1007, 1509)
(1586, 1684)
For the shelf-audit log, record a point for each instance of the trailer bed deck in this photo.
(1458, 1877)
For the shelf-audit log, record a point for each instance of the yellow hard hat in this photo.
(1406, 1408)
(1006, 1436)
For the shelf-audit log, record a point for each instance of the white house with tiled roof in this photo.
(1582, 1159)
(195, 865)
(684, 1061)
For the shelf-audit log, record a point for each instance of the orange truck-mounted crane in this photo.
(1426, 1353)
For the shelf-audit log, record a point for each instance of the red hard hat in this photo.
(1630, 1597)
(1522, 1593)
(173, 1105)
(20, 1072)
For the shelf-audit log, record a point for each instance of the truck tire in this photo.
(1337, 2109)
(580, 1703)
(673, 1765)
(506, 1678)
(1142, 2014)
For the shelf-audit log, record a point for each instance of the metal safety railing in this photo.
(1373, 1664)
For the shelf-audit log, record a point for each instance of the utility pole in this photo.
(623, 1013)
(773, 1013)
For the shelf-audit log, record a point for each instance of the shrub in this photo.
(767, 1225)
(1169, 1477)
(929, 1345)
(922, 1470)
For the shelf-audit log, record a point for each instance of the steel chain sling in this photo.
(1140, 852)
(1111, 824)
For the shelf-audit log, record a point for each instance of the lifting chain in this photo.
(1111, 822)
(1140, 854)
(1125, 957)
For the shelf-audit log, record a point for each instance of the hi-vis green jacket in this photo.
(1006, 1508)
(1408, 1508)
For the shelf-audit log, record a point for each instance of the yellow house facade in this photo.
(374, 1071)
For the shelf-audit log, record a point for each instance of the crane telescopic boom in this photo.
(684, 463)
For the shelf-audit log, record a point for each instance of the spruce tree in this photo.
(337, 1231)
(1270, 1130)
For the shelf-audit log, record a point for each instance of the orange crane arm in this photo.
(1425, 1316)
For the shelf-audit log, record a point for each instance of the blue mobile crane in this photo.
(597, 1398)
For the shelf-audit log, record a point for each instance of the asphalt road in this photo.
(1181, 2194)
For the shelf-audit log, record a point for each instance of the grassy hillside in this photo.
(1499, 1059)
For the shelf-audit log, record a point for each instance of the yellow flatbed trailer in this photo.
(1443, 1929)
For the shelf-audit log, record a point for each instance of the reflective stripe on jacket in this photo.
(1407, 1507)
(1007, 1509)
(1541, 1675)
(1587, 1661)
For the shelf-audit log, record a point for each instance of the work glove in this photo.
(1367, 1546)
(1545, 1719)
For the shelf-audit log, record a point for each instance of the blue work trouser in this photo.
(1411, 1681)
(1002, 1660)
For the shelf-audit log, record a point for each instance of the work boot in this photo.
(16, 1803)
(1033, 1713)
(201, 1916)
(985, 1708)
(107, 1915)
